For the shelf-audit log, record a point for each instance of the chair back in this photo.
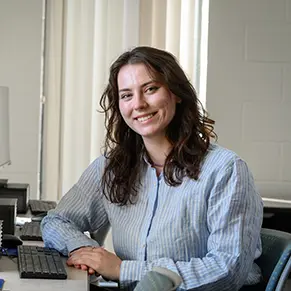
(275, 261)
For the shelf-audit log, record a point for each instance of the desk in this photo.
(277, 205)
(77, 280)
(277, 214)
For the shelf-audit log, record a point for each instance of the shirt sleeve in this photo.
(234, 219)
(80, 210)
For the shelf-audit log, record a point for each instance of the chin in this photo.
(150, 134)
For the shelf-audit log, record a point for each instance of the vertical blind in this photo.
(83, 37)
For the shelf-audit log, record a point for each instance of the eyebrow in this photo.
(143, 85)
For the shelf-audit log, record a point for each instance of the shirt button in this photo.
(144, 246)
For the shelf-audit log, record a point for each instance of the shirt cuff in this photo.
(131, 272)
(82, 241)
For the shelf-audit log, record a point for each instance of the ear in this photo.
(178, 99)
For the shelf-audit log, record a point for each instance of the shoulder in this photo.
(95, 170)
(226, 174)
(219, 159)
(98, 163)
(219, 155)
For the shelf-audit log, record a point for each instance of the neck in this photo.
(158, 151)
(157, 165)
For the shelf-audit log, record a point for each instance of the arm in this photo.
(234, 219)
(81, 209)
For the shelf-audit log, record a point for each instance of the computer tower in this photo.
(18, 191)
(8, 214)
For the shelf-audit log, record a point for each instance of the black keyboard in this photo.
(31, 231)
(39, 262)
(41, 206)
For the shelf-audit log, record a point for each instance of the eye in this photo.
(126, 96)
(151, 89)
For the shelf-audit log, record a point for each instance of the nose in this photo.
(139, 101)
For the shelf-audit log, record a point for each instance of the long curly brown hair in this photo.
(189, 132)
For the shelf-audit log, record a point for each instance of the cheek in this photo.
(122, 109)
(168, 103)
(164, 103)
(170, 106)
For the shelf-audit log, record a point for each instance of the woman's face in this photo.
(146, 105)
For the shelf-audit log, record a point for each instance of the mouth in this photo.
(145, 117)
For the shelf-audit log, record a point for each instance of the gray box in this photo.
(8, 208)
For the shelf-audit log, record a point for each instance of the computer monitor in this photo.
(4, 127)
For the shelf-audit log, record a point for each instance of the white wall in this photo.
(249, 86)
(20, 64)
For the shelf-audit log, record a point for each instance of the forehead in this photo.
(134, 74)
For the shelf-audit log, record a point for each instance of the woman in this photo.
(172, 198)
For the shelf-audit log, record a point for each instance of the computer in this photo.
(19, 191)
(8, 214)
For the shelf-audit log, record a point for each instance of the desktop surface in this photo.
(77, 280)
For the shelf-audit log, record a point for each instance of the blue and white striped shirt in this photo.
(207, 231)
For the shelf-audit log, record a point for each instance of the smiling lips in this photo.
(145, 117)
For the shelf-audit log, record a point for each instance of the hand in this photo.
(84, 267)
(98, 259)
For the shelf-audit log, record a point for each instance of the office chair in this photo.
(275, 261)
(159, 279)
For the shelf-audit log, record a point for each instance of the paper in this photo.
(21, 220)
(1, 226)
(1, 284)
